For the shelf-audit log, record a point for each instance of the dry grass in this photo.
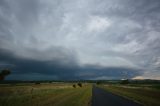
(45, 95)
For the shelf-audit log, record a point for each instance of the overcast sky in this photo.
(80, 39)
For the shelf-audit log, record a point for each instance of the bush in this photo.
(79, 84)
(74, 86)
(4, 73)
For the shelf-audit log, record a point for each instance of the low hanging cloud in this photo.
(84, 39)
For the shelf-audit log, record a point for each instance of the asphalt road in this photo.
(101, 97)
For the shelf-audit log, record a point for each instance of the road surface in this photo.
(101, 97)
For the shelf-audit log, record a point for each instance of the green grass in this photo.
(151, 86)
(143, 95)
(45, 95)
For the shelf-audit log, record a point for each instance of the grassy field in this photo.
(148, 95)
(45, 95)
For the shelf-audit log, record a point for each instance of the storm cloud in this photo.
(80, 39)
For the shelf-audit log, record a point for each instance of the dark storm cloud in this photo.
(98, 72)
(20, 66)
(36, 70)
(80, 39)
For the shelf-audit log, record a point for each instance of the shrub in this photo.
(74, 86)
(4, 73)
(79, 84)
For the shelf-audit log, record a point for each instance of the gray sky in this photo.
(80, 39)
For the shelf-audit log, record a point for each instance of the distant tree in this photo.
(74, 86)
(50, 82)
(37, 83)
(98, 82)
(79, 84)
(125, 81)
(4, 73)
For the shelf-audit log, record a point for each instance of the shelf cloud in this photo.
(80, 39)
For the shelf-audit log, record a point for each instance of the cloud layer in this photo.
(80, 39)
